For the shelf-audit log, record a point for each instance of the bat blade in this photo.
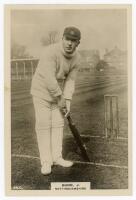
(78, 139)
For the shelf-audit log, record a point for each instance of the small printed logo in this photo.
(17, 187)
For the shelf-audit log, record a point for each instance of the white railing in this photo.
(22, 69)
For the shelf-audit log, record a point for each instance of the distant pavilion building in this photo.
(116, 58)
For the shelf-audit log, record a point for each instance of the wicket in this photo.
(111, 113)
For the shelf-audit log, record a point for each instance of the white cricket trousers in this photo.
(49, 130)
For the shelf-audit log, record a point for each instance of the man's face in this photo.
(69, 45)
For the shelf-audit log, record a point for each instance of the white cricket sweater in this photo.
(55, 74)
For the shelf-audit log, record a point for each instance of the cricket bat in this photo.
(78, 139)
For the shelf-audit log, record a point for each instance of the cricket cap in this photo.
(72, 33)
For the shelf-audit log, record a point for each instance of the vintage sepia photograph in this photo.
(68, 99)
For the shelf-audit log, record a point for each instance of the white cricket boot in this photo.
(63, 163)
(46, 168)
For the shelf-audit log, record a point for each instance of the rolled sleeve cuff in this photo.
(68, 97)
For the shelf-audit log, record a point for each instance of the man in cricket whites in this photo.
(52, 89)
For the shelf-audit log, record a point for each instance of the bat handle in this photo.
(70, 120)
(64, 111)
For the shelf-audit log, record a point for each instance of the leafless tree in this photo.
(50, 38)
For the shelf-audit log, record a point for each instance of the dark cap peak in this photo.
(72, 33)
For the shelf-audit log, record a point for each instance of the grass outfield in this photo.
(109, 157)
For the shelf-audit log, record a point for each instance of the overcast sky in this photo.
(100, 29)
